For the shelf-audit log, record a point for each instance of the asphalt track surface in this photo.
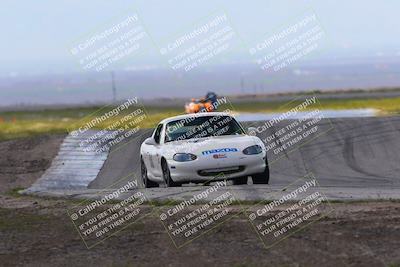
(357, 155)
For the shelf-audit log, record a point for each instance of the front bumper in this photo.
(202, 170)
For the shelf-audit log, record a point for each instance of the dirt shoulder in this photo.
(37, 231)
(23, 161)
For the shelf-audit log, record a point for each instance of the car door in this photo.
(154, 152)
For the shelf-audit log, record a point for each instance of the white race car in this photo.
(202, 148)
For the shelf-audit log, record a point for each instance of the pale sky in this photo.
(37, 35)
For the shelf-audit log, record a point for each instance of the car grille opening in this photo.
(226, 170)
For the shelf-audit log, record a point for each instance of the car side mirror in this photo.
(252, 131)
(150, 141)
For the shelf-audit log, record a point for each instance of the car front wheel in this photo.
(262, 178)
(145, 179)
(167, 175)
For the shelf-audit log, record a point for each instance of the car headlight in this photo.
(252, 150)
(184, 157)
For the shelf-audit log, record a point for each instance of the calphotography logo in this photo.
(109, 45)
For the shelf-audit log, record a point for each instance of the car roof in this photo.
(191, 115)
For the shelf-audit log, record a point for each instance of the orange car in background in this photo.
(206, 104)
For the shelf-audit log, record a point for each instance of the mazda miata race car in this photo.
(202, 148)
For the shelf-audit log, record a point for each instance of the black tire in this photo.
(167, 175)
(240, 180)
(262, 178)
(145, 179)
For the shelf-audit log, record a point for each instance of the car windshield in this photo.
(199, 127)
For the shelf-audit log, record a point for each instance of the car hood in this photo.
(212, 145)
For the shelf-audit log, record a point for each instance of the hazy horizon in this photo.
(358, 48)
